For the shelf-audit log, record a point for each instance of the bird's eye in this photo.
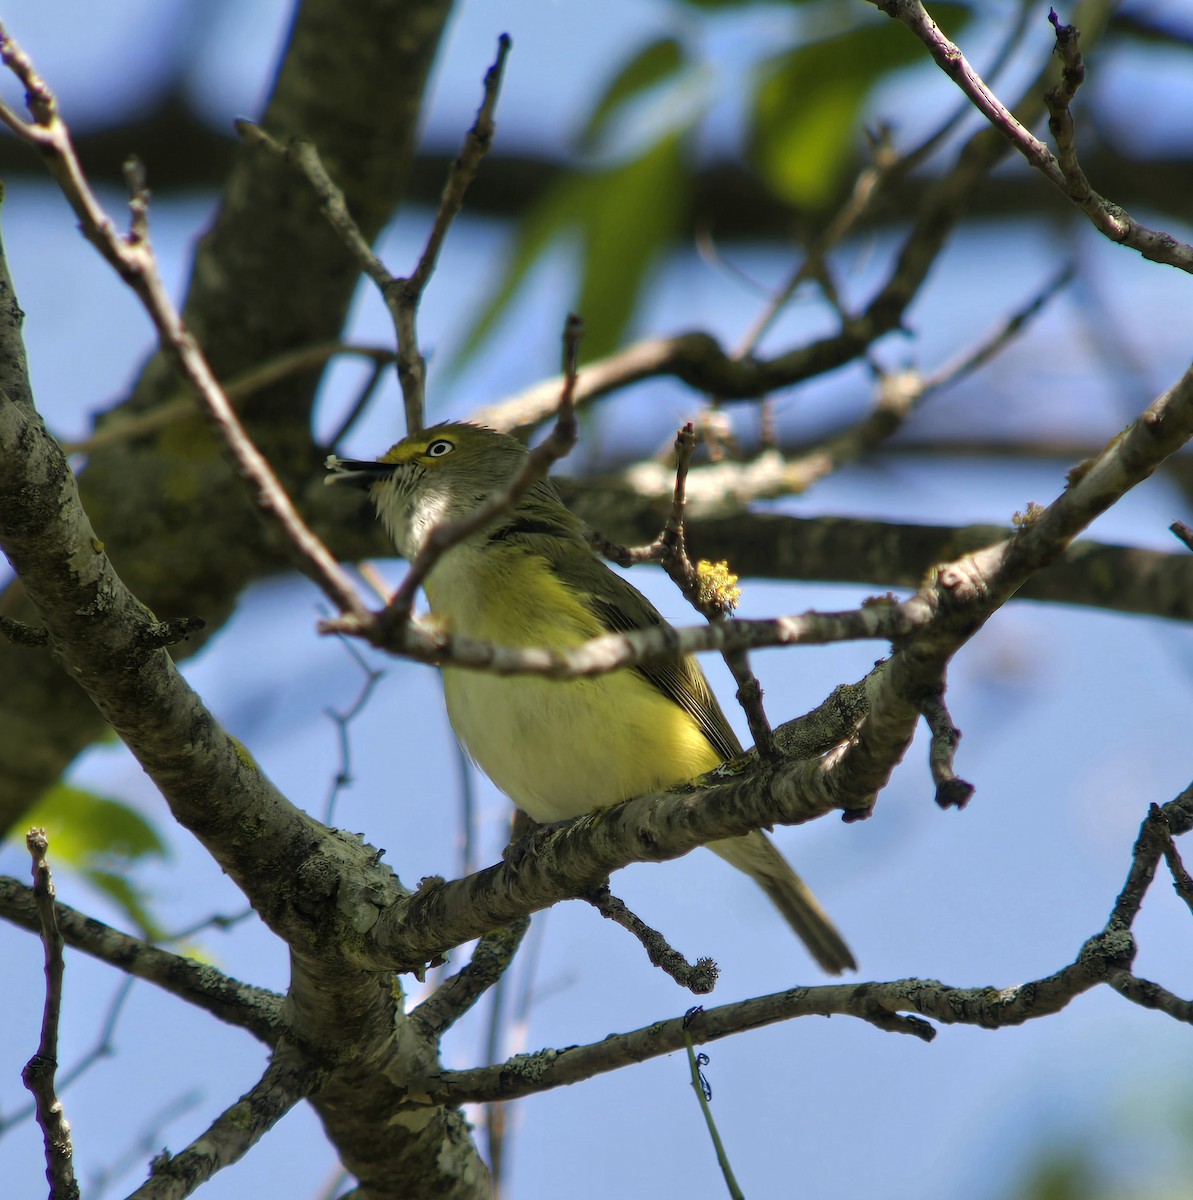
(439, 447)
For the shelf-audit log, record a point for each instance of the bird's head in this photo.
(438, 475)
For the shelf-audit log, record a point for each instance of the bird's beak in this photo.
(355, 472)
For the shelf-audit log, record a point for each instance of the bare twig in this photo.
(21, 634)
(1154, 841)
(712, 602)
(342, 720)
(222, 921)
(660, 643)
(699, 977)
(1147, 994)
(999, 337)
(411, 365)
(951, 790)
(1108, 218)
(401, 295)
(703, 1090)
(39, 1073)
(459, 992)
(142, 1145)
(1183, 532)
(103, 1048)
(237, 389)
(1182, 882)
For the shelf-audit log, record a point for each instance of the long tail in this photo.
(758, 857)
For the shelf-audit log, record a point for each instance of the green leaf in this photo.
(630, 216)
(655, 62)
(547, 221)
(101, 838)
(625, 218)
(82, 826)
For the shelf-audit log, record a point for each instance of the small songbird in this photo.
(560, 749)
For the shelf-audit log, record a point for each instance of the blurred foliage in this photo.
(102, 839)
(1141, 1149)
(804, 107)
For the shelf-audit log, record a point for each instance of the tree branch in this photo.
(254, 1009)
(288, 1079)
(1107, 218)
(1105, 958)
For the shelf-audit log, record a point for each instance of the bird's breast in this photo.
(557, 748)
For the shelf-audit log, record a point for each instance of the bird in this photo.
(530, 577)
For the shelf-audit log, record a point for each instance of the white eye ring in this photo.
(439, 447)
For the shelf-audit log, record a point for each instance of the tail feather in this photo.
(758, 857)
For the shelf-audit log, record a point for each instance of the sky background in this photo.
(1074, 722)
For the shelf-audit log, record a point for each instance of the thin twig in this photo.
(141, 1146)
(342, 720)
(699, 978)
(951, 790)
(238, 389)
(703, 1090)
(714, 603)
(39, 1073)
(21, 634)
(1108, 218)
(459, 992)
(408, 292)
(637, 647)
(1183, 532)
(221, 921)
(401, 295)
(243, 1005)
(104, 1047)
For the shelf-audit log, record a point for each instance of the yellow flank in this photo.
(545, 743)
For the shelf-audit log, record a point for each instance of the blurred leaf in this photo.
(82, 826)
(1062, 1173)
(100, 838)
(625, 217)
(654, 63)
(631, 216)
(542, 225)
(129, 898)
(807, 107)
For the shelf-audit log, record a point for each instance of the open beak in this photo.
(355, 472)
